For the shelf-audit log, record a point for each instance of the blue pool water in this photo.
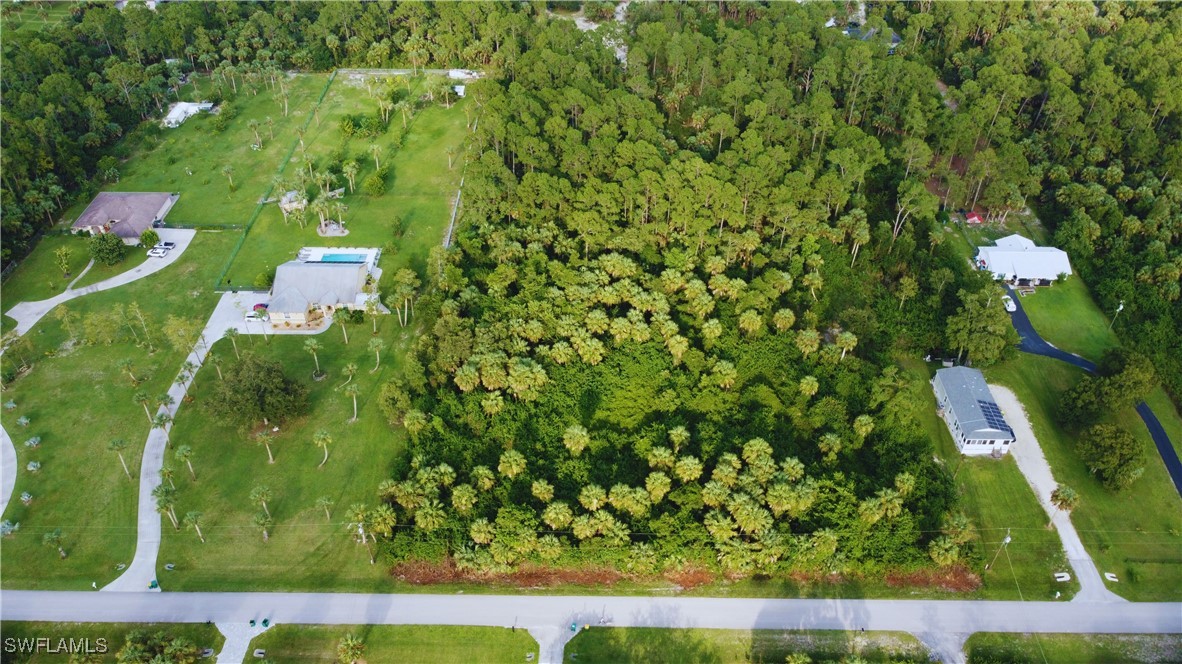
(342, 258)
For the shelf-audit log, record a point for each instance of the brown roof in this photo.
(128, 213)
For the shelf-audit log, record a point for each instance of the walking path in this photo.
(7, 469)
(1034, 344)
(80, 274)
(1038, 475)
(238, 637)
(26, 314)
(547, 616)
(229, 313)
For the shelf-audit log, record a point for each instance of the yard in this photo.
(987, 648)
(998, 501)
(114, 637)
(81, 487)
(405, 644)
(654, 645)
(1067, 317)
(1136, 533)
(33, 16)
(420, 187)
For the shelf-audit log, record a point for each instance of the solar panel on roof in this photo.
(994, 417)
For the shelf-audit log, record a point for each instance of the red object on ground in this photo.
(973, 218)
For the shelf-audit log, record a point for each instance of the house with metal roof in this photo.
(321, 280)
(972, 415)
(1016, 259)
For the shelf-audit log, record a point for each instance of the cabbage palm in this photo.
(117, 446)
(322, 439)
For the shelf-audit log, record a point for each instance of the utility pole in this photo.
(1004, 543)
(1118, 310)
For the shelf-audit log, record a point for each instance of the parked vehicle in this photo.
(1008, 303)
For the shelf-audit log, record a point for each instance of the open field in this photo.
(419, 189)
(81, 487)
(997, 499)
(1136, 533)
(34, 16)
(113, 634)
(990, 648)
(1067, 317)
(38, 277)
(405, 644)
(651, 645)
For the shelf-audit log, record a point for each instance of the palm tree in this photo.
(228, 171)
(688, 469)
(657, 484)
(592, 497)
(325, 503)
(813, 281)
(783, 319)
(678, 436)
(231, 333)
(430, 516)
(512, 464)
(376, 151)
(405, 109)
(126, 367)
(167, 473)
(846, 342)
(576, 438)
(481, 531)
(261, 494)
(1063, 498)
(185, 453)
(463, 498)
(350, 370)
(483, 478)
(322, 439)
(376, 346)
(350, 649)
(341, 321)
(143, 399)
(313, 346)
(557, 515)
(270, 122)
(254, 127)
(166, 503)
(300, 133)
(808, 341)
(264, 522)
(863, 425)
(163, 400)
(542, 490)
(750, 322)
(350, 171)
(193, 520)
(54, 540)
(415, 421)
(117, 446)
(809, 386)
(353, 391)
(265, 439)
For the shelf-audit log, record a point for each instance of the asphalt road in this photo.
(554, 615)
(1036, 345)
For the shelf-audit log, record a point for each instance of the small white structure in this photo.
(459, 90)
(972, 415)
(1017, 259)
(321, 280)
(183, 110)
(461, 74)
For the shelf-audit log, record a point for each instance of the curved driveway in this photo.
(1036, 345)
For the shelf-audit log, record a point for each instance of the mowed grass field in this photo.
(1135, 533)
(405, 644)
(609, 645)
(306, 550)
(1067, 317)
(986, 648)
(35, 16)
(113, 635)
(995, 496)
(420, 188)
(77, 400)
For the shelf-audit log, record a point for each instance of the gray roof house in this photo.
(972, 415)
(303, 286)
(126, 214)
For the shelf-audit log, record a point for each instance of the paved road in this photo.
(1036, 345)
(1037, 472)
(551, 617)
(7, 469)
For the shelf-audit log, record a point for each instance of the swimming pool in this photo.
(342, 258)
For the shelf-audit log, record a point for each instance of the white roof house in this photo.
(973, 417)
(183, 110)
(1015, 258)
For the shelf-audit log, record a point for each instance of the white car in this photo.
(1008, 303)
(157, 252)
(255, 315)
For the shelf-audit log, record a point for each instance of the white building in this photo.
(973, 418)
(1017, 259)
(183, 110)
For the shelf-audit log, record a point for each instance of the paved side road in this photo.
(553, 616)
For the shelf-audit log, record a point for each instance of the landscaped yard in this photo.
(81, 487)
(420, 187)
(404, 644)
(113, 635)
(997, 499)
(987, 648)
(1136, 533)
(652, 645)
(36, 16)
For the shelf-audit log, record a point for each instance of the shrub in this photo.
(348, 126)
(264, 280)
(1113, 455)
(107, 248)
(149, 237)
(7, 527)
(374, 186)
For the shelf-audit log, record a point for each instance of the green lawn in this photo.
(34, 16)
(997, 499)
(420, 188)
(404, 644)
(988, 648)
(702, 646)
(38, 277)
(108, 637)
(81, 487)
(1168, 415)
(1136, 533)
(1067, 317)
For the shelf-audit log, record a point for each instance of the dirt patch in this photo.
(420, 572)
(690, 577)
(953, 579)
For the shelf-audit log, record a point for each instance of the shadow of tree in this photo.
(642, 644)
